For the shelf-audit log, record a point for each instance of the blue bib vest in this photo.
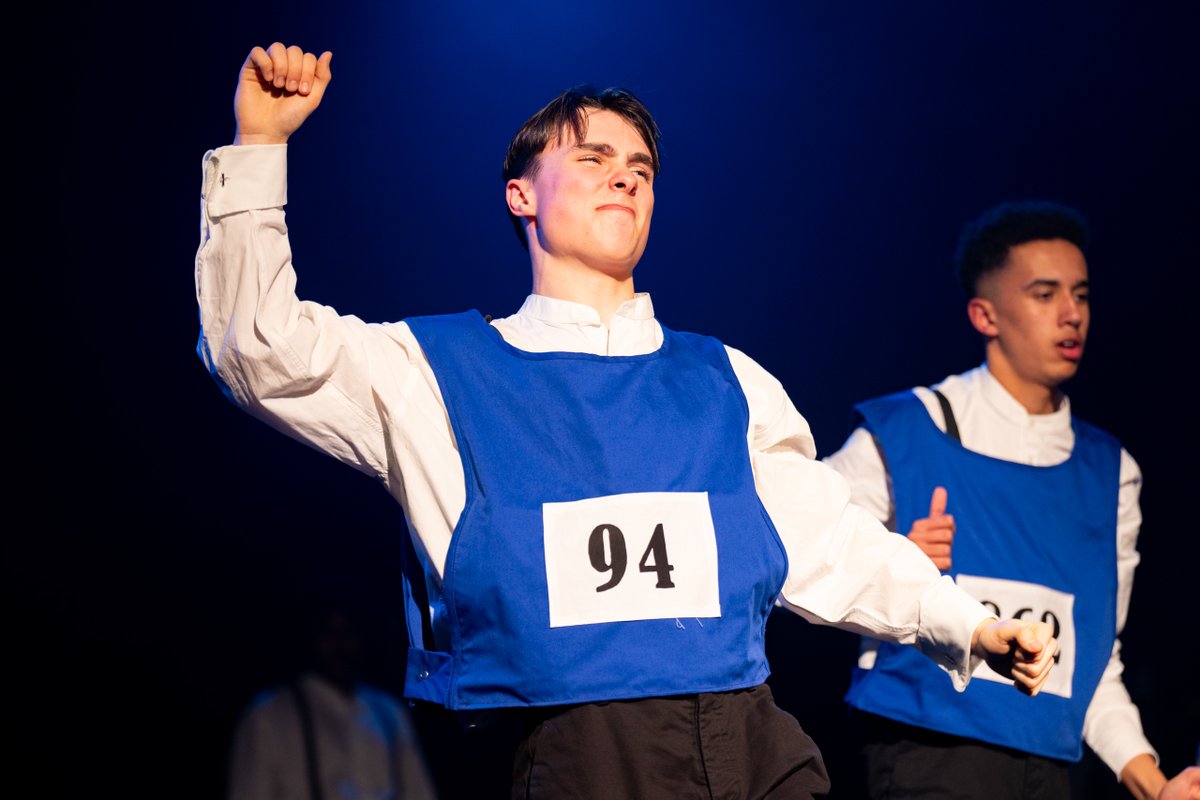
(1016, 526)
(555, 428)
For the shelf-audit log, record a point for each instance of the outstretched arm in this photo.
(277, 89)
(845, 569)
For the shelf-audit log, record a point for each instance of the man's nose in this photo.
(1071, 312)
(623, 180)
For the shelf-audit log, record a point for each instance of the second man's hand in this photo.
(935, 534)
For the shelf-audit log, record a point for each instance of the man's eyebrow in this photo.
(642, 158)
(1049, 283)
(1053, 283)
(609, 151)
(596, 147)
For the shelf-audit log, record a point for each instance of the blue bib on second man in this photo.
(1030, 542)
(612, 544)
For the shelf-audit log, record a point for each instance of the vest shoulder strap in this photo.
(948, 415)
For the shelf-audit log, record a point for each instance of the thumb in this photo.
(323, 62)
(937, 504)
(322, 76)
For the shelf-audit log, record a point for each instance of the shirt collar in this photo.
(555, 311)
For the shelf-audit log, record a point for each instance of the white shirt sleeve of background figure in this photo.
(1113, 725)
(844, 568)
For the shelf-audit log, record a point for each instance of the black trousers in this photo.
(714, 746)
(902, 761)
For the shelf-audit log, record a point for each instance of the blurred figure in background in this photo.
(327, 735)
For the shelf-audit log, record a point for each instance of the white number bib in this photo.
(625, 557)
(1029, 601)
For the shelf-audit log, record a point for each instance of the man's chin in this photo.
(1064, 372)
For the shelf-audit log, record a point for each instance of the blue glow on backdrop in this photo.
(819, 160)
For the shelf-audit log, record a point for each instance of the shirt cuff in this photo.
(245, 178)
(949, 617)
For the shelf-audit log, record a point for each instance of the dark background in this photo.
(819, 161)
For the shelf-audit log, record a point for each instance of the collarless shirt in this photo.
(546, 324)
(994, 423)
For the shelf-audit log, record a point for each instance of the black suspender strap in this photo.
(310, 744)
(948, 415)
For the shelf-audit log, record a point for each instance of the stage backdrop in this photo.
(819, 160)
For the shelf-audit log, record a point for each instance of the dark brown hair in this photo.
(569, 111)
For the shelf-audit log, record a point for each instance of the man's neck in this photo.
(581, 284)
(1035, 398)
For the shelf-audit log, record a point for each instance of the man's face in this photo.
(592, 200)
(1039, 306)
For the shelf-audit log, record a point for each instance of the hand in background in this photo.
(935, 534)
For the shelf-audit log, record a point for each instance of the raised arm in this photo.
(360, 392)
(330, 380)
(297, 365)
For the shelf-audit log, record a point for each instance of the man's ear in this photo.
(518, 192)
(982, 314)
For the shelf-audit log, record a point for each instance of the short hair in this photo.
(569, 110)
(984, 244)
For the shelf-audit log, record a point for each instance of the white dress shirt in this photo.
(365, 394)
(993, 422)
